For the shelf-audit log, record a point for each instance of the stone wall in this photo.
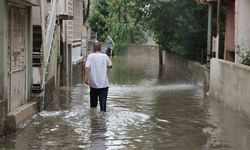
(229, 83)
(50, 92)
(78, 73)
(188, 71)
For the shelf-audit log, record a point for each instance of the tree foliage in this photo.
(98, 18)
(119, 18)
(178, 26)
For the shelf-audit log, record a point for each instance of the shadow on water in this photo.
(149, 107)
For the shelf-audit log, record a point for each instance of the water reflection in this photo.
(149, 107)
(98, 130)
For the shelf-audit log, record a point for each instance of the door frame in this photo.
(9, 45)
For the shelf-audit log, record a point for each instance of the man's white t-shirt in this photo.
(98, 65)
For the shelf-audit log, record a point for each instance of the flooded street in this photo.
(149, 108)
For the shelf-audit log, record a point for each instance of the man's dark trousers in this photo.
(100, 93)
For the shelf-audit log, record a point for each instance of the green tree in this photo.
(179, 27)
(121, 19)
(98, 19)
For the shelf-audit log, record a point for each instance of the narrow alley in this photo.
(149, 107)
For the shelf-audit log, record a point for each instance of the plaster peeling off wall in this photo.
(243, 27)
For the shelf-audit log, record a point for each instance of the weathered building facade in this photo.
(237, 38)
(38, 40)
(74, 39)
(66, 33)
(229, 79)
(16, 61)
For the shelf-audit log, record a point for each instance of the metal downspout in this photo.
(218, 28)
(209, 33)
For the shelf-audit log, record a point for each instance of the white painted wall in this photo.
(78, 19)
(229, 83)
(76, 52)
(36, 17)
(77, 47)
(62, 7)
(242, 25)
(52, 69)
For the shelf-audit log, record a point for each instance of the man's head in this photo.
(97, 47)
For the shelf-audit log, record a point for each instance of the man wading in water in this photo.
(96, 77)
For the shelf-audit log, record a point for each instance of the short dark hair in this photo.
(97, 46)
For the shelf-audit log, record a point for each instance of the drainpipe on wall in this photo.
(218, 29)
(209, 33)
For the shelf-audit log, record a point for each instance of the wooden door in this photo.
(17, 56)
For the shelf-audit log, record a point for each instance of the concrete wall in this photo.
(50, 92)
(36, 16)
(1, 47)
(77, 73)
(29, 55)
(188, 72)
(52, 69)
(52, 77)
(85, 42)
(229, 83)
(242, 27)
(2, 109)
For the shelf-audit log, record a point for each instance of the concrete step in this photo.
(16, 119)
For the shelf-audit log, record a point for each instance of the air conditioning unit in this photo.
(65, 9)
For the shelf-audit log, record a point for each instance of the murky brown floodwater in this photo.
(149, 107)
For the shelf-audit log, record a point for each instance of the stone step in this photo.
(17, 118)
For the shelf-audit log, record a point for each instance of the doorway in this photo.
(17, 47)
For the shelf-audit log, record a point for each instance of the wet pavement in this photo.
(149, 107)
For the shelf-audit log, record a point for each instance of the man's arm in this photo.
(109, 63)
(86, 75)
